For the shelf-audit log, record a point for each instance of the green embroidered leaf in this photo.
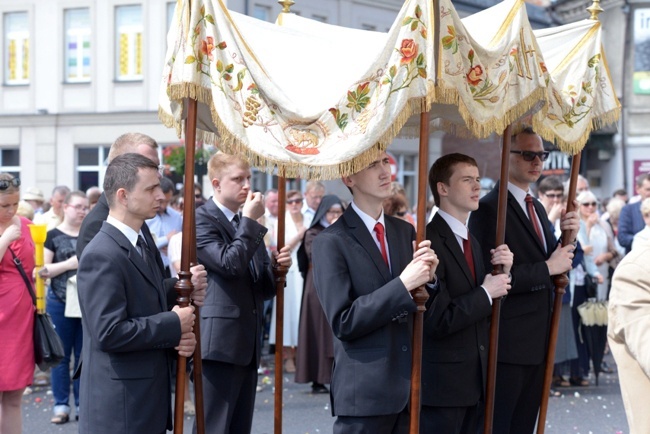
(423, 32)
(418, 11)
(230, 68)
(407, 21)
(227, 77)
(190, 59)
(240, 83)
(451, 30)
(422, 72)
(447, 42)
(202, 10)
(420, 60)
(209, 18)
(594, 61)
(385, 80)
(414, 25)
(219, 66)
(392, 71)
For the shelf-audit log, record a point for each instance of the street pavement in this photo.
(581, 410)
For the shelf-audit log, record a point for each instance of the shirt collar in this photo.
(128, 232)
(369, 221)
(228, 213)
(456, 226)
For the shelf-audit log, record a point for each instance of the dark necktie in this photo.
(379, 230)
(533, 217)
(235, 221)
(144, 249)
(467, 250)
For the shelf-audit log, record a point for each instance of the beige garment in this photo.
(49, 218)
(629, 333)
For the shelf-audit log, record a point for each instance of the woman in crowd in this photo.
(16, 307)
(315, 342)
(61, 265)
(294, 230)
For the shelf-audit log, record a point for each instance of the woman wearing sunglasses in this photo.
(16, 307)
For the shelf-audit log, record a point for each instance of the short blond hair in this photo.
(129, 142)
(645, 207)
(220, 161)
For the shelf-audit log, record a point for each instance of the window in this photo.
(368, 27)
(77, 45)
(128, 42)
(10, 161)
(261, 12)
(321, 18)
(91, 164)
(16, 46)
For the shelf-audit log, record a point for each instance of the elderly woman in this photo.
(596, 238)
(16, 307)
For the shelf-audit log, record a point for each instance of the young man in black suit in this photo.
(456, 328)
(128, 325)
(240, 278)
(526, 312)
(365, 266)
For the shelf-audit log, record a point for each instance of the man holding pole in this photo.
(455, 345)
(240, 278)
(526, 312)
(365, 267)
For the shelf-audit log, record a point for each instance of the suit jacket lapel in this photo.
(451, 243)
(393, 240)
(362, 235)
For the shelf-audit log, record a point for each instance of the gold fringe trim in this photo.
(230, 143)
(577, 145)
(536, 101)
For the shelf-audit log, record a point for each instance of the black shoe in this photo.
(319, 388)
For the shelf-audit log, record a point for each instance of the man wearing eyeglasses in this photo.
(526, 313)
(550, 192)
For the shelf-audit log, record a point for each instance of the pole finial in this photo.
(594, 10)
(286, 5)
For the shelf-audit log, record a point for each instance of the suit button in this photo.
(254, 311)
(404, 348)
(482, 348)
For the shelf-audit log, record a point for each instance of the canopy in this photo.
(318, 101)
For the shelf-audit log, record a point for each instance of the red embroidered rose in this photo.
(207, 47)
(474, 75)
(408, 50)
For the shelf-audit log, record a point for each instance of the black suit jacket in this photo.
(368, 310)
(240, 278)
(525, 312)
(128, 331)
(456, 326)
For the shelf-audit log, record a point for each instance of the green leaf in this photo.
(227, 77)
(385, 80)
(414, 25)
(418, 11)
(422, 72)
(392, 71)
(407, 21)
(230, 68)
(202, 10)
(210, 19)
(594, 61)
(420, 59)
(190, 59)
(451, 30)
(219, 66)
(240, 77)
(447, 41)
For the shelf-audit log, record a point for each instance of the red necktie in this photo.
(533, 217)
(379, 229)
(467, 250)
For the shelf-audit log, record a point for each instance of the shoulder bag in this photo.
(48, 348)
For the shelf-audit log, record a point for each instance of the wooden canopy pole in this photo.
(498, 269)
(184, 285)
(420, 295)
(280, 274)
(560, 281)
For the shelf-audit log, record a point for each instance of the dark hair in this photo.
(641, 178)
(550, 183)
(526, 130)
(620, 192)
(167, 185)
(442, 170)
(392, 205)
(122, 172)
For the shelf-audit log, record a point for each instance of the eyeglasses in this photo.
(401, 213)
(554, 195)
(292, 201)
(197, 196)
(5, 184)
(530, 155)
(589, 204)
(80, 207)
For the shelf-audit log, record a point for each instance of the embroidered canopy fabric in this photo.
(318, 101)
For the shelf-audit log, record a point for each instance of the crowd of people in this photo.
(352, 269)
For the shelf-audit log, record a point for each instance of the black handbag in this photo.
(591, 285)
(48, 348)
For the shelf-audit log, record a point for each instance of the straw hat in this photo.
(33, 193)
